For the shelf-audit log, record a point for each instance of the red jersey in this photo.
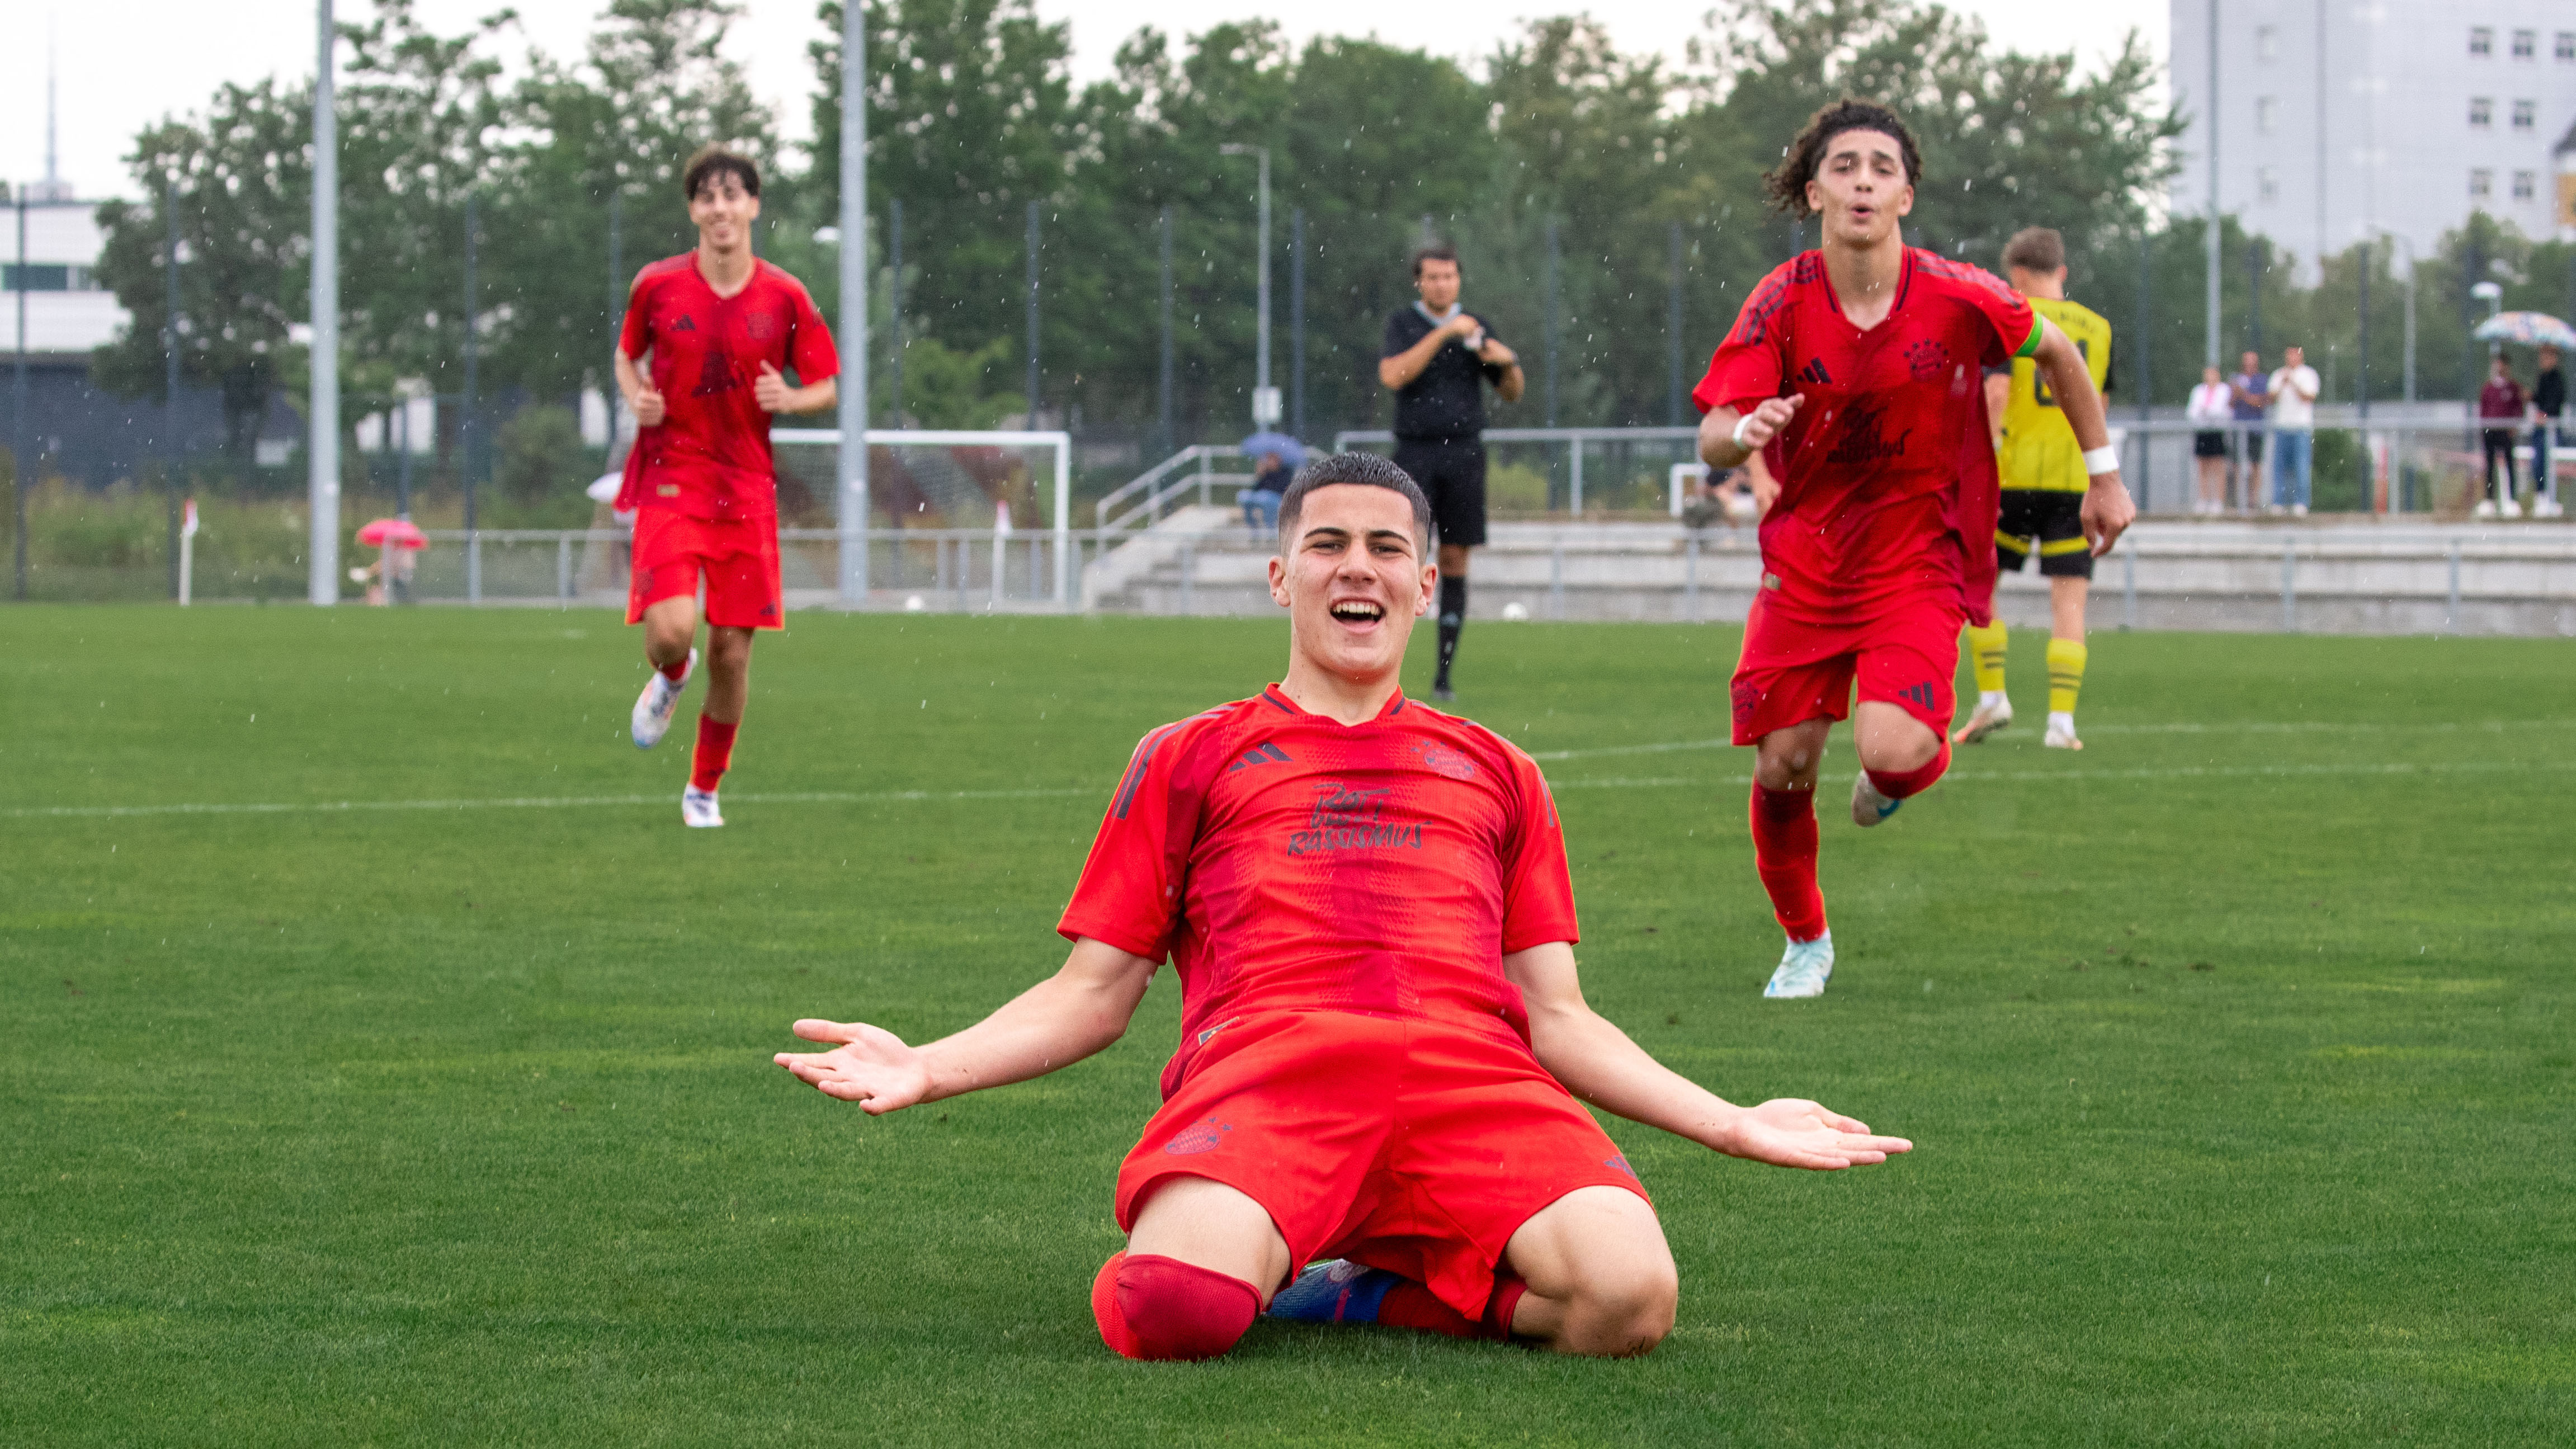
(1287, 861)
(709, 456)
(1887, 474)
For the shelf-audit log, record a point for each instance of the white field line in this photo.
(830, 797)
(527, 802)
(2495, 727)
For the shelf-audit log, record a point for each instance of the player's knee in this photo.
(1162, 1308)
(1624, 1309)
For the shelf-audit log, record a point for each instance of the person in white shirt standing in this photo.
(2294, 421)
(2211, 406)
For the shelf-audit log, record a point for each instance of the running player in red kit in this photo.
(1857, 372)
(722, 328)
(1383, 1037)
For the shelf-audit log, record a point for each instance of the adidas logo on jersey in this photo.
(1814, 374)
(1265, 754)
(1920, 694)
(684, 324)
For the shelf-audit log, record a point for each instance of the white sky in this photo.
(127, 64)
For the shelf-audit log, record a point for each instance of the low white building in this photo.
(67, 311)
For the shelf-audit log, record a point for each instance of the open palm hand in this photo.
(1794, 1132)
(868, 1065)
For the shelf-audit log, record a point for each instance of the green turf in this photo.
(2237, 1049)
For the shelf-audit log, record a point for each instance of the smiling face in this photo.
(1860, 188)
(723, 211)
(1353, 581)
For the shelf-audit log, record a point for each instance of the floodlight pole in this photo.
(322, 446)
(2209, 124)
(852, 514)
(1552, 305)
(170, 483)
(616, 318)
(1673, 326)
(894, 309)
(1163, 385)
(1265, 402)
(21, 467)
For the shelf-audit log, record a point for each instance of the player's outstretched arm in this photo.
(1598, 1063)
(1079, 1010)
(2107, 510)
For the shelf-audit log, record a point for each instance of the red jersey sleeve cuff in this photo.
(1514, 945)
(1075, 928)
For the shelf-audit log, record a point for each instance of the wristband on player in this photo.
(1737, 437)
(2098, 461)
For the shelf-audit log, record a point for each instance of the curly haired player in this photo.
(1857, 372)
(1383, 1038)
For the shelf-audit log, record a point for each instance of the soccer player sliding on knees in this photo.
(1857, 372)
(1383, 1037)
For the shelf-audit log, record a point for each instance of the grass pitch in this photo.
(2237, 1048)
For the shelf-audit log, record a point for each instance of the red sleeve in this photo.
(810, 345)
(1130, 892)
(1749, 364)
(637, 333)
(2007, 312)
(1538, 892)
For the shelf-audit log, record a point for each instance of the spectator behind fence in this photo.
(2252, 391)
(2548, 401)
(1261, 501)
(2294, 420)
(2501, 405)
(2212, 406)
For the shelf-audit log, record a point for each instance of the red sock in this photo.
(674, 672)
(715, 753)
(1411, 1305)
(1784, 855)
(1152, 1307)
(1898, 784)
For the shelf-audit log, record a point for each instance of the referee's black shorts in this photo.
(2055, 519)
(1451, 473)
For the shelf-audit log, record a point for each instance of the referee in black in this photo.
(1437, 360)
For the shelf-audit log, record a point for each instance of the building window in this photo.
(37, 277)
(2481, 113)
(2524, 43)
(2481, 184)
(2567, 45)
(2526, 114)
(2267, 42)
(2267, 113)
(2481, 40)
(2267, 185)
(2525, 185)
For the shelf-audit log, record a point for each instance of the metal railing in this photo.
(1170, 479)
(1577, 442)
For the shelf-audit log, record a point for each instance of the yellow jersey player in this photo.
(2045, 475)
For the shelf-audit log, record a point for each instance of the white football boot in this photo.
(659, 701)
(698, 809)
(1804, 969)
(1993, 713)
(1868, 806)
(2061, 732)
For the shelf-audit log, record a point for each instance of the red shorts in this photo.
(1792, 671)
(1411, 1145)
(737, 558)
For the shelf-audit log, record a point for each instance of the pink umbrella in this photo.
(392, 533)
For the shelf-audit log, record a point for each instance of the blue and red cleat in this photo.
(1339, 1291)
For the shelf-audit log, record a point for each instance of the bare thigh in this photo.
(1206, 1224)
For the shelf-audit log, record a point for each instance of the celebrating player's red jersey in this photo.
(1287, 862)
(1858, 372)
(710, 457)
(721, 328)
(1887, 482)
(1383, 1030)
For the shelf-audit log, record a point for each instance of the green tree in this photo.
(243, 176)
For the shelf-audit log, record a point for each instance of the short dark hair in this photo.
(1787, 183)
(713, 161)
(1368, 470)
(2035, 249)
(1433, 252)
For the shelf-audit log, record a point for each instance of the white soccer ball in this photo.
(912, 604)
(1516, 611)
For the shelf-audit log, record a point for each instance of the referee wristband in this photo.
(1737, 437)
(2098, 461)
